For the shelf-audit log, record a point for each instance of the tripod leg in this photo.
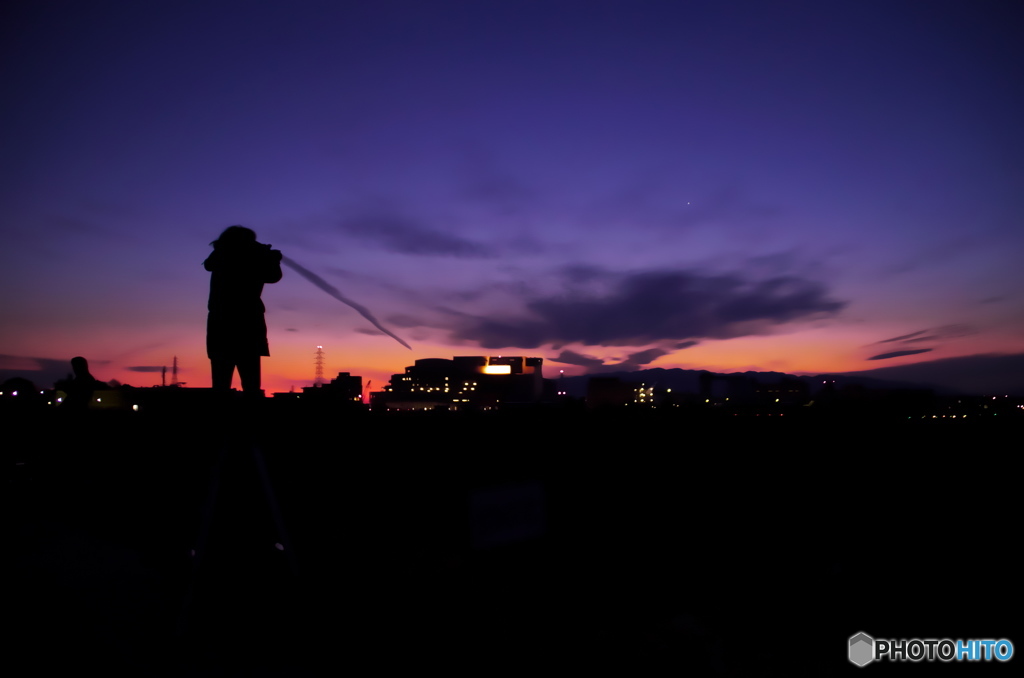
(275, 510)
(203, 537)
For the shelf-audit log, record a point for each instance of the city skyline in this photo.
(802, 188)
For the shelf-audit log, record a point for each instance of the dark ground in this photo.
(669, 546)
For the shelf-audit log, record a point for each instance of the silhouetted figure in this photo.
(81, 387)
(236, 332)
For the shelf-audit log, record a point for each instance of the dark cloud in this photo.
(30, 363)
(643, 357)
(686, 344)
(636, 361)
(637, 309)
(899, 354)
(40, 371)
(148, 368)
(902, 337)
(405, 236)
(290, 329)
(633, 361)
(573, 358)
(33, 363)
(933, 334)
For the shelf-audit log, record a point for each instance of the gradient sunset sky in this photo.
(801, 187)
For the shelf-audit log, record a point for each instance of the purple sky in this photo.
(784, 186)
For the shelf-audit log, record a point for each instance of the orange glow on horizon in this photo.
(138, 360)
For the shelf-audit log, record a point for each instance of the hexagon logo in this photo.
(862, 649)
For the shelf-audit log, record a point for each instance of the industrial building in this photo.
(465, 383)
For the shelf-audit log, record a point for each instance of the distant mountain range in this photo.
(967, 375)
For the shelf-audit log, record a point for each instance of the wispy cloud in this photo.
(407, 236)
(568, 357)
(899, 354)
(903, 337)
(932, 334)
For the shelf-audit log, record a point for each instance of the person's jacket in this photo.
(239, 272)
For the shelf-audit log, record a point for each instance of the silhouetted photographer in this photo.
(236, 331)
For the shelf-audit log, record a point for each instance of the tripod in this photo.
(248, 448)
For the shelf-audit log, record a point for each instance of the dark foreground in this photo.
(641, 545)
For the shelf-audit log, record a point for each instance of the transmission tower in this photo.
(319, 380)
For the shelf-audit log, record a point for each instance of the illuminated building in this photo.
(464, 382)
(344, 387)
(605, 392)
(345, 390)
